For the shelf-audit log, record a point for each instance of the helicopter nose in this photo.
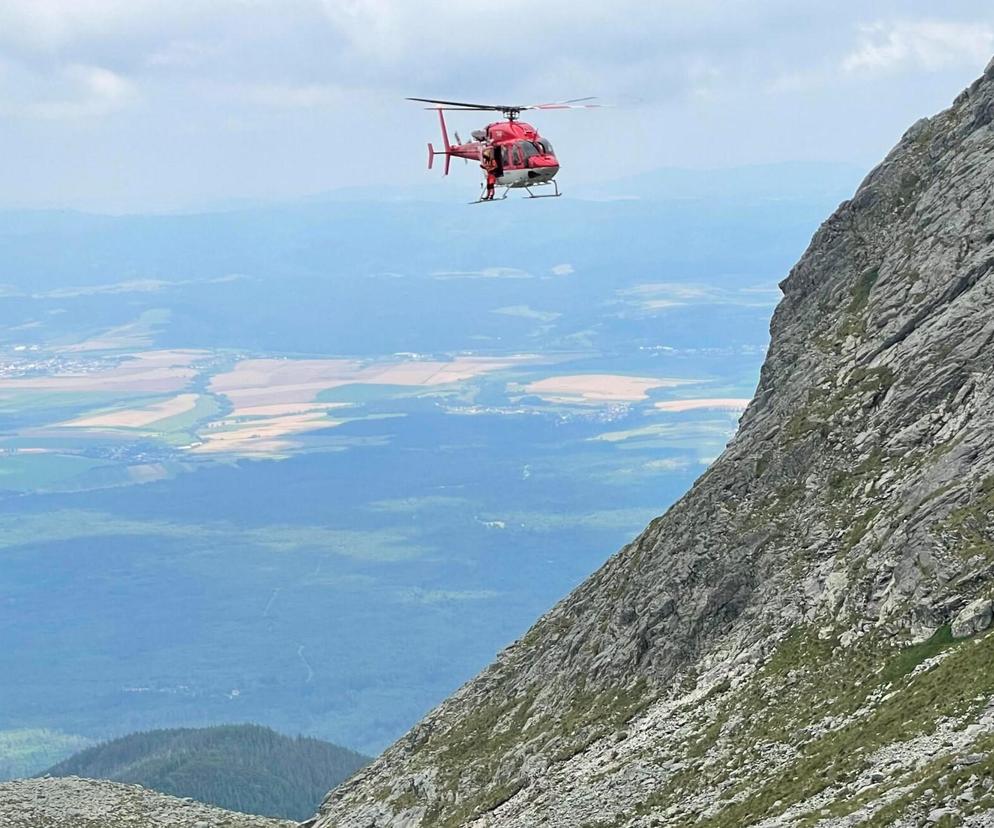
(544, 173)
(544, 162)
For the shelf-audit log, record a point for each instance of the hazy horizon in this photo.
(147, 106)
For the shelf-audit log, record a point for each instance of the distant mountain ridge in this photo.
(784, 181)
(245, 768)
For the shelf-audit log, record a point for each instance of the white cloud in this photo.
(47, 26)
(380, 29)
(562, 270)
(291, 96)
(74, 91)
(926, 44)
(247, 98)
(185, 54)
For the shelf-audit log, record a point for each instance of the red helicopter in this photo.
(522, 158)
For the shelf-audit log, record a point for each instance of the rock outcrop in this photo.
(71, 802)
(975, 617)
(802, 639)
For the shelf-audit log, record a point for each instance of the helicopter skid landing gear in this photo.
(483, 199)
(528, 189)
(555, 185)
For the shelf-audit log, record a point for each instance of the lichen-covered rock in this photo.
(777, 649)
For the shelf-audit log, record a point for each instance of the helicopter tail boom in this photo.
(445, 132)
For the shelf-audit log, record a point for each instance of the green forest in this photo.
(241, 767)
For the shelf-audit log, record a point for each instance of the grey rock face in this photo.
(71, 802)
(973, 618)
(778, 647)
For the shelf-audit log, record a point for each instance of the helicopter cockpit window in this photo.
(533, 148)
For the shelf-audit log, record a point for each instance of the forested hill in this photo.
(244, 768)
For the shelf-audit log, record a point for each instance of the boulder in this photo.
(973, 618)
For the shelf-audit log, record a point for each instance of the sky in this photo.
(157, 105)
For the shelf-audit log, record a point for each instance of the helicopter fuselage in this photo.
(525, 158)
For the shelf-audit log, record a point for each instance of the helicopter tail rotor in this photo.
(445, 142)
(432, 152)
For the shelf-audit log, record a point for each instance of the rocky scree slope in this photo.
(802, 639)
(71, 802)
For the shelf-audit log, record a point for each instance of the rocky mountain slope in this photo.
(802, 639)
(71, 802)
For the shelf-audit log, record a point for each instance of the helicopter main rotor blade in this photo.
(463, 109)
(575, 103)
(461, 105)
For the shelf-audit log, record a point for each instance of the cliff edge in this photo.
(802, 639)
